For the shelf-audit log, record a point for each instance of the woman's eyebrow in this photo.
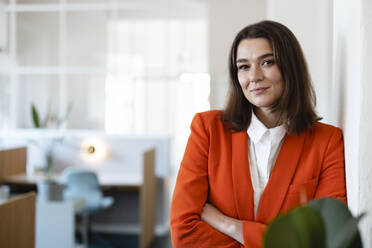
(243, 60)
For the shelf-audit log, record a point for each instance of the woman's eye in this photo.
(268, 62)
(243, 67)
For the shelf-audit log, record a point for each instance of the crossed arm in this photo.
(225, 224)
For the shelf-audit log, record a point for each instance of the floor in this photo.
(125, 241)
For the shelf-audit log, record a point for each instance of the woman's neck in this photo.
(268, 118)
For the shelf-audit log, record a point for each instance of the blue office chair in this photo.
(82, 183)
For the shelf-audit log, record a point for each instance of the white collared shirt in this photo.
(264, 147)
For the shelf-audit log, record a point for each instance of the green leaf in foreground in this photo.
(302, 227)
(341, 227)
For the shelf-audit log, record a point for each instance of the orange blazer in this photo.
(215, 169)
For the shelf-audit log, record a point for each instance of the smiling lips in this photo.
(259, 90)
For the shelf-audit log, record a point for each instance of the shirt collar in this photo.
(257, 129)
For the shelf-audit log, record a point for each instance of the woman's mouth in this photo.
(259, 90)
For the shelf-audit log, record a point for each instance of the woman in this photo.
(266, 153)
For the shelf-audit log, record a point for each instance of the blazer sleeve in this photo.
(190, 195)
(253, 234)
(332, 175)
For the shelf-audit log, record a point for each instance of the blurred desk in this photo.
(144, 184)
(107, 181)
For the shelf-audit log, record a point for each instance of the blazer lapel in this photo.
(276, 189)
(241, 178)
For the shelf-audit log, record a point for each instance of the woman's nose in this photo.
(255, 74)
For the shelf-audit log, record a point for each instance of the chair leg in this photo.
(85, 229)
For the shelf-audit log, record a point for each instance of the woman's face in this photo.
(258, 74)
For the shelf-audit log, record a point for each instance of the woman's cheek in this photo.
(242, 80)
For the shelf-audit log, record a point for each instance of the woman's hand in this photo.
(225, 224)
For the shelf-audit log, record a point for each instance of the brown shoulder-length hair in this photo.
(298, 98)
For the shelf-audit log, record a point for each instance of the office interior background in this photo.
(139, 70)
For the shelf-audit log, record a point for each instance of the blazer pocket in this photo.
(294, 197)
(309, 187)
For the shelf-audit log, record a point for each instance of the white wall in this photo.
(365, 154)
(352, 25)
(226, 19)
(346, 89)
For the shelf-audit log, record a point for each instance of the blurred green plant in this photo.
(322, 223)
(35, 116)
(49, 118)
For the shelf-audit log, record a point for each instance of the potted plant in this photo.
(49, 189)
(322, 223)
